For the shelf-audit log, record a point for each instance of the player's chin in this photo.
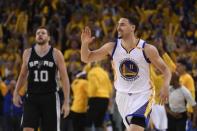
(119, 36)
(41, 43)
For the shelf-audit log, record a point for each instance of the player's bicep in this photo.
(153, 55)
(101, 53)
(98, 54)
(24, 67)
(60, 63)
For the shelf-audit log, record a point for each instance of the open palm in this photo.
(86, 37)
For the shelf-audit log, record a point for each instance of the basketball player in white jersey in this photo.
(130, 57)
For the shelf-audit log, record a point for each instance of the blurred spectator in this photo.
(177, 112)
(12, 114)
(80, 101)
(186, 79)
(99, 94)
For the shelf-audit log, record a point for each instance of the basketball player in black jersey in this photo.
(39, 68)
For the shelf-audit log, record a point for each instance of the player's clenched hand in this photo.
(17, 99)
(86, 36)
(65, 109)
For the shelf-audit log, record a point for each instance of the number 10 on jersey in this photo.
(41, 76)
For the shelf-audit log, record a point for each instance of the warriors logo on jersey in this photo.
(129, 69)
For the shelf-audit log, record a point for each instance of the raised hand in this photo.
(86, 36)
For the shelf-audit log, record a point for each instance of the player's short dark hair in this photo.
(132, 20)
(44, 27)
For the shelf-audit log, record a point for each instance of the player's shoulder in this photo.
(27, 51)
(110, 43)
(109, 46)
(57, 54)
(150, 47)
(151, 51)
(56, 51)
(26, 55)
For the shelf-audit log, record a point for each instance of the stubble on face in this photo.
(41, 42)
(123, 27)
(42, 37)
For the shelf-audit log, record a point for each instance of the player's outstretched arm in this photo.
(96, 55)
(21, 79)
(153, 55)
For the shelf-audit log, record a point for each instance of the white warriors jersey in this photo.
(131, 69)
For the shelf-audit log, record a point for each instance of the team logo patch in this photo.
(129, 70)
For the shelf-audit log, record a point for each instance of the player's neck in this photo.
(130, 41)
(41, 50)
(42, 47)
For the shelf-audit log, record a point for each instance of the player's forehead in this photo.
(42, 30)
(123, 21)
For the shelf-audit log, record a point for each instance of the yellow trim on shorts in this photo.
(149, 106)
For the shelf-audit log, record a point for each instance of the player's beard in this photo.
(41, 42)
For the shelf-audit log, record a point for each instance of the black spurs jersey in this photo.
(42, 73)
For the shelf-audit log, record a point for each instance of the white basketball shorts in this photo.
(137, 104)
(159, 117)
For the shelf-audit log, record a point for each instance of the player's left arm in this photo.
(153, 55)
(64, 79)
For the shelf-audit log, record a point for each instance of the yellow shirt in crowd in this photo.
(80, 98)
(4, 89)
(99, 83)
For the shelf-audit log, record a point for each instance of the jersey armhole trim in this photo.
(29, 56)
(114, 49)
(53, 55)
(145, 57)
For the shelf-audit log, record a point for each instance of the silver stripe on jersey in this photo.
(58, 110)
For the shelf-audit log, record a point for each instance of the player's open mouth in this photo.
(40, 38)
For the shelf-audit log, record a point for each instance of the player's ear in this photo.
(133, 27)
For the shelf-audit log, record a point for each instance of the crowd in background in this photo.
(172, 23)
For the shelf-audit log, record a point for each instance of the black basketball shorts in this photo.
(42, 110)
